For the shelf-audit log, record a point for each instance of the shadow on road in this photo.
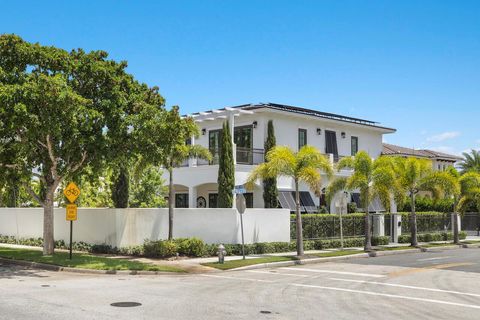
(10, 271)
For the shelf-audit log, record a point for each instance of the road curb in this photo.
(359, 255)
(51, 267)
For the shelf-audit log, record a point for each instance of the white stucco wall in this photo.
(125, 227)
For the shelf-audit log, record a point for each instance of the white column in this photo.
(231, 121)
(192, 197)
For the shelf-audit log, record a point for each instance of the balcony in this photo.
(250, 156)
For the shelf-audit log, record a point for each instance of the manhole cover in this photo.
(125, 304)
(265, 312)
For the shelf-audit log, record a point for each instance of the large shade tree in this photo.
(305, 166)
(165, 140)
(60, 112)
(372, 178)
(416, 175)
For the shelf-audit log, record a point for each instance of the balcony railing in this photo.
(249, 156)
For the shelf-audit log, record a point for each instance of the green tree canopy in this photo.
(470, 162)
(62, 111)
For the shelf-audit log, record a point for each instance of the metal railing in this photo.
(251, 156)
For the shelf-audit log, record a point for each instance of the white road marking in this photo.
(369, 275)
(407, 287)
(387, 295)
(279, 273)
(431, 259)
(235, 278)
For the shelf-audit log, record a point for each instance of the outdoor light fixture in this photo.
(204, 131)
(343, 135)
(319, 131)
(255, 124)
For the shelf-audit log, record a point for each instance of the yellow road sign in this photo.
(71, 212)
(71, 192)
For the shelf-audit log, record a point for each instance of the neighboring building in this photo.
(337, 136)
(440, 160)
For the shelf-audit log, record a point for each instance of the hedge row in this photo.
(321, 226)
(429, 237)
(194, 247)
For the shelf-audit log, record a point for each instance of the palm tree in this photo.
(416, 175)
(179, 154)
(372, 178)
(302, 166)
(471, 161)
(466, 194)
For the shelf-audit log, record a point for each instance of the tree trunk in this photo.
(413, 222)
(170, 204)
(299, 221)
(48, 236)
(368, 233)
(456, 238)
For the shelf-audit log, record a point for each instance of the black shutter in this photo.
(331, 143)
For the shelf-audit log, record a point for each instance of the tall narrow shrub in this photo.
(270, 192)
(120, 189)
(226, 169)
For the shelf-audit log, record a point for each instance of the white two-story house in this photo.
(195, 182)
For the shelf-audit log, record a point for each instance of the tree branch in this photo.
(32, 193)
(77, 166)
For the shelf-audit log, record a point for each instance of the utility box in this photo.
(378, 224)
(396, 226)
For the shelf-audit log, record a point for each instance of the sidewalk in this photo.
(194, 265)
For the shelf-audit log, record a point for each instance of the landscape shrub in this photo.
(430, 237)
(192, 247)
(160, 248)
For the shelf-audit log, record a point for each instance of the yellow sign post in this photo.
(71, 192)
(71, 212)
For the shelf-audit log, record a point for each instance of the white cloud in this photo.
(443, 136)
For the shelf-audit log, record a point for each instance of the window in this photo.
(242, 136)
(302, 138)
(331, 143)
(248, 199)
(181, 200)
(214, 138)
(354, 145)
(213, 200)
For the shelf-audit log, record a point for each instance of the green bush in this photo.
(192, 247)
(424, 204)
(160, 249)
(431, 237)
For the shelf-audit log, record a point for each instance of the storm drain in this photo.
(265, 312)
(126, 304)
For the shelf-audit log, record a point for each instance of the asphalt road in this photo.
(432, 285)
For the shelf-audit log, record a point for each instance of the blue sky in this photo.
(411, 65)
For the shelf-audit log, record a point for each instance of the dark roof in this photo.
(310, 112)
(394, 150)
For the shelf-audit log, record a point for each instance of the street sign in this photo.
(241, 203)
(71, 192)
(71, 212)
(240, 189)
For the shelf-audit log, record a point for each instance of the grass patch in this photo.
(232, 264)
(84, 261)
(336, 253)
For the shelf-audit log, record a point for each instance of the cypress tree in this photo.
(120, 189)
(270, 192)
(226, 169)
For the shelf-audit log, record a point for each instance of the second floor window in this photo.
(354, 145)
(302, 138)
(331, 143)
